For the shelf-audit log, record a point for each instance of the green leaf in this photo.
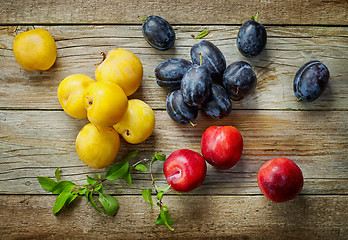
(57, 174)
(160, 195)
(109, 203)
(47, 183)
(62, 186)
(90, 199)
(91, 180)
(71, 198)
(99, 176)
(164, 218)
(116, 171)
(160, 157)
(131, 155)
(98, 187)
(127, 176)
(147, 196)
(162, 189)
(60, 201)
(82, 191)
(202, 34)
(141, 167)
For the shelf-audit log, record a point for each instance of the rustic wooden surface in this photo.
(36, 136)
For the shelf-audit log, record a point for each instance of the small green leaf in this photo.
(57, 174)
(47, 183)
(131, 155)
(91, 180)
(82, 191)
(117, 170)
(160, 157)
(147, 196)
(202, 34)
(164, 218)
(152, 161)
(90, 199)
(60, 201)
(99, 176)
(143, 18)
(141, 167)
(160, 195)
(109, 203)
(62, 186)
(127, 176)
(162, 189)
(98, 187)
(71, 198)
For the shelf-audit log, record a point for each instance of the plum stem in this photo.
(299, 99)
(194, 37)
(193, 124)
(142, 18)
(200, 58)
(152, 76)
(104, 57)
(256, 17)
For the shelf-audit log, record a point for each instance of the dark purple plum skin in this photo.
(218, 105)
(239, 79)
(311, 80)
(196, 85)
(212, 58)
(170, 72)
(251, 38)
(178, 110)
(158, 33)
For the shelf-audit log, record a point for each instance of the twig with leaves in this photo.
(68, 191)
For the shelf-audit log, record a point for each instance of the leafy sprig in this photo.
(164, 217)
(93, 188)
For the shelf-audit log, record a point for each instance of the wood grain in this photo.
(307, 12)
(204, 217)
(34, 143)
(288, 48)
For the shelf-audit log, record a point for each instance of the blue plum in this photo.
(239, 79)
(310, 81)
(196, 85)
(158, 33)
(178, 110)
(218, 105)
(212, 58)
(170, 72)
(251, 38)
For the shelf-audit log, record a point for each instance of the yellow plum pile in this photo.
(105, 103)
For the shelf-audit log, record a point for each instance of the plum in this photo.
(178, 110)
(170, 72)
(310, 81)
(239, 79)
(212, 58)
(158, 33)
(218, 105)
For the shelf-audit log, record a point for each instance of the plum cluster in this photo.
(204, 83)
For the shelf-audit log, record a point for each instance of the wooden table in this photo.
(36, 136)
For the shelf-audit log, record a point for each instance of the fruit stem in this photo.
(152, 76)
(200, 58)
(194, 37)
(299, 99)
(256, 17)
(104, 57)
(142, 18)
(193, 124)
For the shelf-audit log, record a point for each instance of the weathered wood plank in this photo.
(195, 217)
(287, 49)
(36, 142)
(312, 12)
